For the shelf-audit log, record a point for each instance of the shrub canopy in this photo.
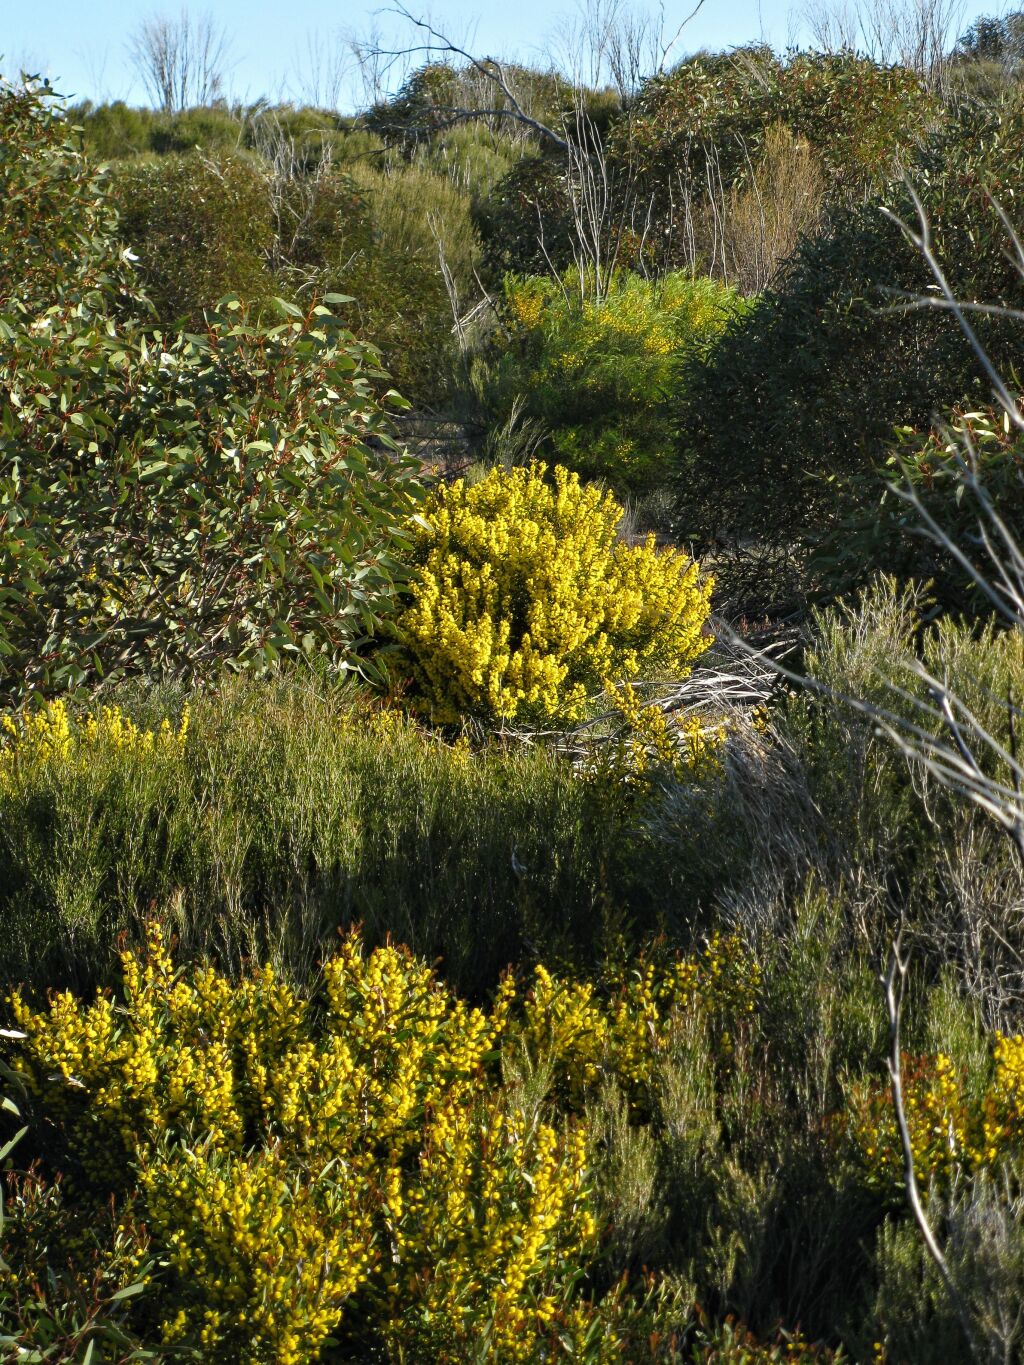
(600, 374)
(173, 502)
(524, 603)
(804, 391)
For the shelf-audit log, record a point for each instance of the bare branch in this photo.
(180, 61)
(894, 982)
(490, 68)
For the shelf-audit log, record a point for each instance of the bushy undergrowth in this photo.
(580, 1161)
(525, 604)
(600, 375)
(288, 812)
(717, 109)
(622, 1093)
(301, 211)
(817, 375)
(730, 1103)
(384, 1167)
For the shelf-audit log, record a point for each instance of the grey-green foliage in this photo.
(177, 503)
(58, 225)
(981, 1224)
(730, 1185)
(173, 502)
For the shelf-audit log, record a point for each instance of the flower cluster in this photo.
(302, 1168)
(652, 741)
(956, 1126)
(50, 734)
(525, 604)
(625, 1035)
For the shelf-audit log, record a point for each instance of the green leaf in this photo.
(129, 1292)
(9, 1147)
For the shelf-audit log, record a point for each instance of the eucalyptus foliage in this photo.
(173, 503)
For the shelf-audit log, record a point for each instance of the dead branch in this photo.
(490, 68)
(893, 982)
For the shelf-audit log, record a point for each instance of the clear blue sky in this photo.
(81, 44)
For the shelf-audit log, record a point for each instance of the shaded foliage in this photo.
(804, 391)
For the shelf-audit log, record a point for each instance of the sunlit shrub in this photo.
(200, 500)
(713, 112)
(524, 603)
(411, 213)
(650, 744)
(50, 735)
(586, 1037)
(58, 225)
(599, 374)
(204, 496)
(305, 1170)
(957, 1127)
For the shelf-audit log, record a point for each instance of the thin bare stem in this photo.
(894, 982)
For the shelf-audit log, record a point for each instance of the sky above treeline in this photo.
(296, 49)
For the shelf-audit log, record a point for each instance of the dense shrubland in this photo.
(596, 376)
(818, 375)
(427, 933)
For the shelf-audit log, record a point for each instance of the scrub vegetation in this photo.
(511, 648)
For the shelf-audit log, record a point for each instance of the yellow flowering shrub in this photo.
(525, 604)
(955, 1128)
(471, 1230)
(302, 1168)
(649, 741)
(585, 1038)
(259, 1251)
(49, 734)
(602, 373)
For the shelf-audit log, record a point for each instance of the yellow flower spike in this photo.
(42, 738)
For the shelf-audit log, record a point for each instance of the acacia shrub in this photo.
(267, 1148)
(599, 374)
(589, 1156)
(523, 602)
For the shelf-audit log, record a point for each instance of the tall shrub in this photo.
(600, 375)
(201, 229)
(169, 503)
(803, 392)
(58, 225)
